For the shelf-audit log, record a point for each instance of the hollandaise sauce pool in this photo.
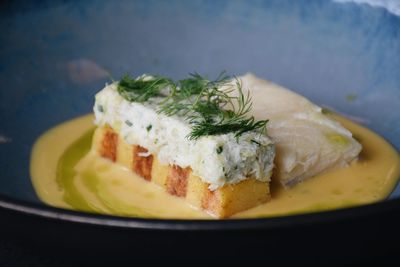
(66, 174)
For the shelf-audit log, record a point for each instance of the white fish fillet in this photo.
(307, 142)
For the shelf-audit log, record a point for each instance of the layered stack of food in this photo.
(202, 140)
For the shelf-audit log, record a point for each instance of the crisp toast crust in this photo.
(109, 145)
(142, 164)
(177, 180)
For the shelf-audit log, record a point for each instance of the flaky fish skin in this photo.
(307, 141)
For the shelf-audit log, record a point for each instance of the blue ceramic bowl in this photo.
(54, 55)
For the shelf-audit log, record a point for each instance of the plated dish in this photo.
(200, 148)
(341, 56)
(326, 53)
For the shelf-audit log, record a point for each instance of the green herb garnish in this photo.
(209, 106)
(255, 142)
(141, 90)
(129, 123)
(220, 149)
(326, 111)
(148, 128)
(100, 108)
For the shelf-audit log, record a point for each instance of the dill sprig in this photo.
(142, 89)
(210, 106)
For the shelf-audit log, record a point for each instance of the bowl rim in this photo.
(42, 211)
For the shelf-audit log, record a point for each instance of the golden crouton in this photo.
(180, 182)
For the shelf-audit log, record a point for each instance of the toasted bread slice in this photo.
(180, 182)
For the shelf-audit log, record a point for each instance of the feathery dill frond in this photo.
(141, 89)
(210, 106)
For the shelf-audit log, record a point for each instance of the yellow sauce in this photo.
(65, 174)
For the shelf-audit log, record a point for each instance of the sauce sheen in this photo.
(66, 174)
